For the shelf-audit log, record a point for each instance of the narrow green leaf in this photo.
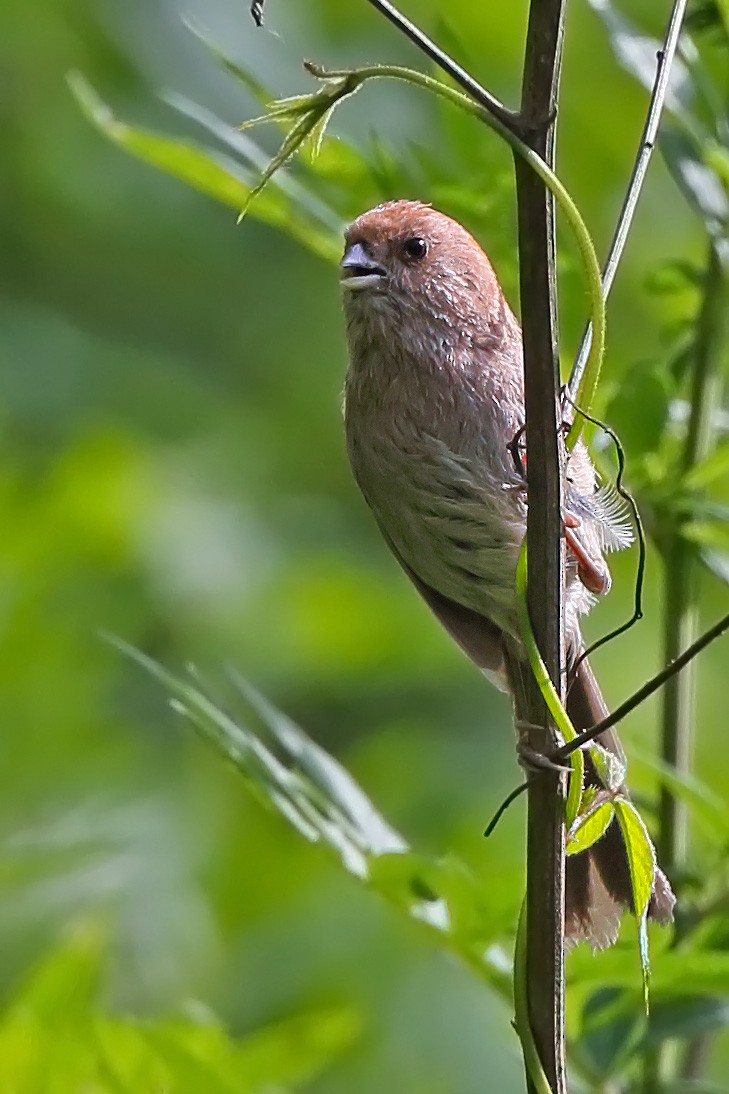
(313, 212)
(322, 802)
(289, 146)
(642, 867)
(589, 828)
(709, 533)
(696, 179)
(297, 1050)
(237, 71)
(640, 851)
(214, 174)
(686, 1017)
(705, 804)
(637, 52)
(709, 469)
(717, 563)
(611, 769)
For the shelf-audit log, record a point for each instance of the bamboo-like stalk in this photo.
(546, 789)
(678, 710)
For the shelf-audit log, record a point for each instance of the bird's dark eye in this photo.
(415, 248)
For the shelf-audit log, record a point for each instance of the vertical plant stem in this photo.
(681, 607)
(545, 824)
(681, 620)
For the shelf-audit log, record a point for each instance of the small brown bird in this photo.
(434, 401)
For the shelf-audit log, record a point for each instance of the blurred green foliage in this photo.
(172, 471)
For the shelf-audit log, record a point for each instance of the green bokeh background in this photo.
(172, 470)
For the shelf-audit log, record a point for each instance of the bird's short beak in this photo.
(359, 269)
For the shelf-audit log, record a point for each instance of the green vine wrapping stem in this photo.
(549, 692)
(349, 80)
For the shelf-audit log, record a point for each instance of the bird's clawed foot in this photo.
(530, 758)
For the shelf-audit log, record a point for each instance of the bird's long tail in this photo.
(597, 882)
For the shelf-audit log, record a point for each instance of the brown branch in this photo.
(545, 825)
(448, 65)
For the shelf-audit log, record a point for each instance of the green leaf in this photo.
(297, 1050)
(309, 205)
(686, 1017)
(637, 52)
(696, 180)
(642, 866)
(640, 852)
(610, 769)
(706, 806)
(211, 173)
(717, 563)
(612, 1029)
(649, 386)
(590, 827)
(711, 468)
(321, 801)
(709, 533)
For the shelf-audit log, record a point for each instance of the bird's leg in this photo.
(529, 758)
(592, 572)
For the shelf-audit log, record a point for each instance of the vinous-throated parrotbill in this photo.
(434, 401)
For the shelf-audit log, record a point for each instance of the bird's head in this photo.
(407, 255)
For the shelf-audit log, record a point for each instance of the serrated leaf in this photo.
(610, 768)
(308, 205)
(291, 143)
(642, 867)
(589, 828)
(640, 852)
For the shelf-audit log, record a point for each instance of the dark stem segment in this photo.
(545, 823)
(447, 64)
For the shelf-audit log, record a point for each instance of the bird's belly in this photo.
(460, 532)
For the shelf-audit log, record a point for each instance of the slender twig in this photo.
(658, 681)
(511, 797)
(645, 151)
(546, 791)
(445, 62)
